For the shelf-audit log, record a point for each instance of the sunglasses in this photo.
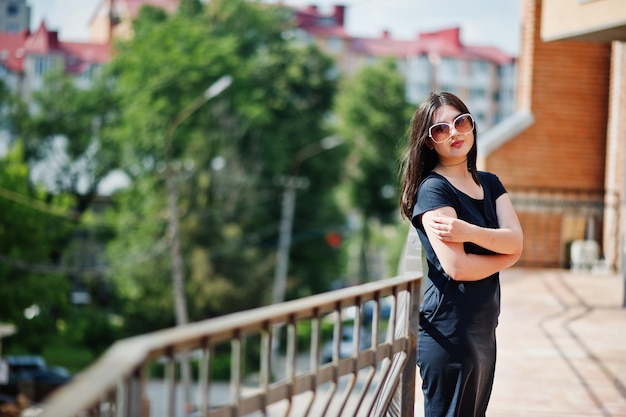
(441, 132)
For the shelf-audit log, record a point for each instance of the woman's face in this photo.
(458, 145)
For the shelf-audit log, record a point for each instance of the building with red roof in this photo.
(26, 56)
(484, 76)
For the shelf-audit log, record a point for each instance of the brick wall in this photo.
(565, 84)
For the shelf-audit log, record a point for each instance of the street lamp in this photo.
(291, 183)
(172, 197)
(178, 281)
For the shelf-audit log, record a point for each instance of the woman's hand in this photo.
(451, 229)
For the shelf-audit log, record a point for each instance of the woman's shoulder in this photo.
(434, 180)
(491, 181)
(489, 176)
(435, 183)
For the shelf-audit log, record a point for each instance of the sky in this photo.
(482, 22)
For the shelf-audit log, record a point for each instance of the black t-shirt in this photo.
(463, 302)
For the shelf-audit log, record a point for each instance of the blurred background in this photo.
(168, 161)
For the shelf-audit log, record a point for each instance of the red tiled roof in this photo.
(333, 31)
(79, 56)
(445, 43)
(42, 42)
(383, 47)
(311, 20)
(12, 49)
(490, 53)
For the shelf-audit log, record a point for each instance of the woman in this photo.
(469, 231)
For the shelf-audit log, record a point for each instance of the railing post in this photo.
(135, 395)
(409, 374)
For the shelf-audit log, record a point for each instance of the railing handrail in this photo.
(125, 359)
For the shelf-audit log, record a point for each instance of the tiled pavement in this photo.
(561, 346)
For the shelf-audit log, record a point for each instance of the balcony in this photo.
(561, 351)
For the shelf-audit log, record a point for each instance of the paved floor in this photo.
(561, 346)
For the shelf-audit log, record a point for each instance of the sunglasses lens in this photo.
(463, 123)
(440, 132)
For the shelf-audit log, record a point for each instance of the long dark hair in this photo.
(419, 160)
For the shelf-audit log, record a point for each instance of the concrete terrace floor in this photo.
(561, 346)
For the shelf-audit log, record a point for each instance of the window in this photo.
(449, 65)
(42, 64)
(335, 44)
(477, 93)
(326, 21)
(479, 67)
(12, 9)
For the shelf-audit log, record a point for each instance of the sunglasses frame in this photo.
(451, 126)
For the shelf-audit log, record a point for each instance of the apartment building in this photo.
(483, 76)
(14, 15)
(25, 58)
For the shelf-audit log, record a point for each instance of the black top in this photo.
(478, 302)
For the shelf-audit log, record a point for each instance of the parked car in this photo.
(30, 375)
(346, 344)
(384, 312)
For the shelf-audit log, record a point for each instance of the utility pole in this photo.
(173, 229)
(291, 183)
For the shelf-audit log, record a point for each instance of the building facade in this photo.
(483, 76)
(563, 153)
(14, 16)
(602, 23)
(113, 18)
(26, 58)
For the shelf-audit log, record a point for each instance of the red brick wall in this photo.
(565, 85)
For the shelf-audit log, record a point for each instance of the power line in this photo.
(35, 204)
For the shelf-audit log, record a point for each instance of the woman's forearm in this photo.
(476, 267)
(505, 241)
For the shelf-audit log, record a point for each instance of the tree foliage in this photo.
(144, 115)
(373, 114)
(227, 154)
(69, 143)
(33, 226)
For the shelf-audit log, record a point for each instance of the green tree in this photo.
(227, 154)
(373, 114)
(34, 224)
(69, 143)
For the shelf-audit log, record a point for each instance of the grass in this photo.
(73, 358)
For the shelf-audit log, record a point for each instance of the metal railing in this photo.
(280, 362)
(552, 218)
